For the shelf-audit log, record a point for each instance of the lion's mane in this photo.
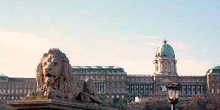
(60, 84)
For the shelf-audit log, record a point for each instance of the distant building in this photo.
(140, 85)
(213, 80)
(114, 82)
(15, 88)
(165, 72)
(110, 80)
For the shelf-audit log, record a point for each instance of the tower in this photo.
(165, 62)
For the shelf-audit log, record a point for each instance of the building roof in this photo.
(2, 75)
(3, 78)
(165, 50)
(98, 69)
(215, 70)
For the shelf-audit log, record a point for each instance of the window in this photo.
(122, 96)
(128, 79)
(9, 85)
(25, 85)
(86, 77)
(117, 96)
(213, 84)
(156, 67)
(122, 84)
(128, 86)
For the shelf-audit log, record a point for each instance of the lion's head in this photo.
(53, 70)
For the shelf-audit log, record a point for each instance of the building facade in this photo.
(109, 80)
(15, 88)
(213, 80)
(165, 72)
(114, 82)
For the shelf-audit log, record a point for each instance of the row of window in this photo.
(215, 90)
(139, 86)
(98, 77)
(215, 84)
(139, 79)
(116, 90)
(115, 96)
(17, 85)
(10, 97)
(192, 79)
(189, 92)
(99, 87)
(215, 77)
(98, 71)
(192, 90)
(102, 87)
(16, 91)
(141, 92)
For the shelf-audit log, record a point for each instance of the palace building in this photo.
(15, 88)
(109, 80)
(115, 82)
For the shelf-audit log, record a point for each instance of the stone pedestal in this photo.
(51, 104)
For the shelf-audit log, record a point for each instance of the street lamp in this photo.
(173, 94)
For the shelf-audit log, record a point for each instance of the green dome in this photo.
(165, 50)
(215, 70)
(217, 67)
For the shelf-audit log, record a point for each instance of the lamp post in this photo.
(173, 94)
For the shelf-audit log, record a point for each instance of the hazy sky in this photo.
(123, 33)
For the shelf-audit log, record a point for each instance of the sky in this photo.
(123, 33)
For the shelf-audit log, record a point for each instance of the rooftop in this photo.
(215, 70)
(98, 69)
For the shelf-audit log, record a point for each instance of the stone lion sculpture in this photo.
(54, 80)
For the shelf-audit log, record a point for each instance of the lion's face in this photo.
(51, 68)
